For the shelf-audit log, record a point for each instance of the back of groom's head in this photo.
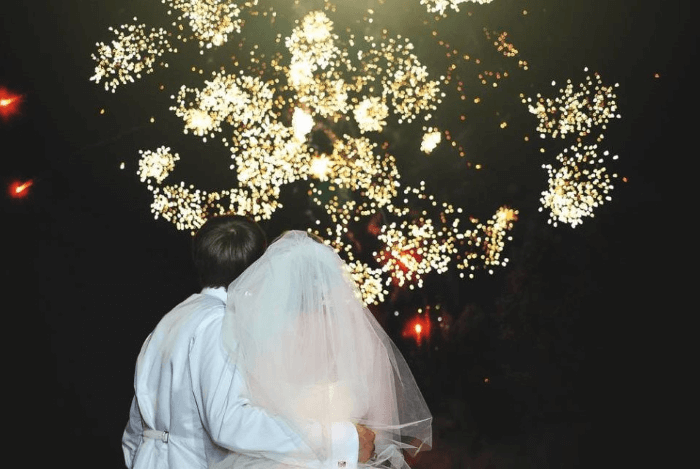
(224, 247)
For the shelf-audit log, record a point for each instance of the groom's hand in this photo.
(366, 437)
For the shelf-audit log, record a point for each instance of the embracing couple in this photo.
(276, 363)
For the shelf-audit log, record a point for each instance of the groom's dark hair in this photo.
(224, 247)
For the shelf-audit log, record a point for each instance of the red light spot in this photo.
(19, 190)
(9, 103)
(417, 328)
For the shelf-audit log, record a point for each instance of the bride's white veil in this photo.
(313, 354)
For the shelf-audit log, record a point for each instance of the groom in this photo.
(188, 409)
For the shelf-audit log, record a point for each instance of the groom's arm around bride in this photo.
(189, 409)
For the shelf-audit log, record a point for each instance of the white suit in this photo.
(188, 410)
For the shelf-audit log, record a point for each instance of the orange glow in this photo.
(19, 190)
(418, 328)
(9, 103)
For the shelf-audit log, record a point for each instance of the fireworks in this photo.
(133, 53)
(371, 114)
(431, 139)
(412, 251)
(320, 104)
(581, 183)
(156, 164)
(237, 100)
(439, 6)
(577, 187)
(211, 21)
(576, 110)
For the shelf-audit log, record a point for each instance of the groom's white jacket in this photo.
(188, 409)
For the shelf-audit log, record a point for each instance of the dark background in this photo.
(556, 360)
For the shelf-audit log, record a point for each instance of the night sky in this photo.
(559, 338)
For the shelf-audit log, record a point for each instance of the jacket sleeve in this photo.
(133, 434)
(233, 423)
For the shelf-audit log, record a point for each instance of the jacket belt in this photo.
(156, 435)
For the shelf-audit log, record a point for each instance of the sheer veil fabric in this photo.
(312, 353)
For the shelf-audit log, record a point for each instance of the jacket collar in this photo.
(219, 292)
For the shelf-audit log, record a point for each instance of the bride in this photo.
(313, 354)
